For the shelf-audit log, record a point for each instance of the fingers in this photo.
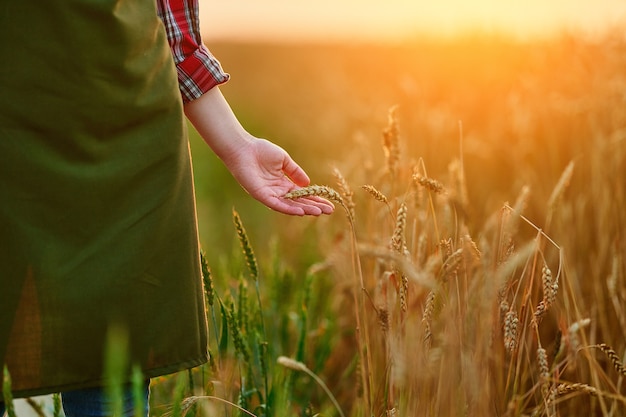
(313, 206)
(277, 174)
(294, 172)
(326, 206)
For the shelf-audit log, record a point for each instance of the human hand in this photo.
(267, 173)
(262, 168)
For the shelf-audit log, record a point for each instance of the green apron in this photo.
(97, 212)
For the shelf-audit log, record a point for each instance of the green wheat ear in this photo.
(56, 401)
(207, 279)
(245, 245)
(6, 392)
(238, 341)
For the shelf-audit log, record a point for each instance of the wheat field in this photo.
(475, 263)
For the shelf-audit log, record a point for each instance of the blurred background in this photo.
(399, 20)
(514, 90)
(532, 84)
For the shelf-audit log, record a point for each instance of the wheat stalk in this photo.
(360, 312)
(611, 281)
(36, 407)
(561, 185)
(188, 403)
(301, 367)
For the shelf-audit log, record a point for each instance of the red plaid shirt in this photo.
(198, 70)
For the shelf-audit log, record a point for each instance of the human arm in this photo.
(262, 168)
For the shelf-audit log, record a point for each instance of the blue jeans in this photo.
(93, 402)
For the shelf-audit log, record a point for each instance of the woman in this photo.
(97, 212)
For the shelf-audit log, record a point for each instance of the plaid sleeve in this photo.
(198, 70)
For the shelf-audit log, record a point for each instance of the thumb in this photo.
(294, 172)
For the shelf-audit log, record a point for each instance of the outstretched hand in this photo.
(267, 172)
(262, 168)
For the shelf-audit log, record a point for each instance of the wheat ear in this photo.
(207, 279)
(544, 372)
(317, 190)
(391, 141)
(345, 190)
(429, 183)
(550, 289)
(6, 393)
(566, 388)
(510, 331)
(246, 246)
(299, 366)
(613, 357)
(373, 191)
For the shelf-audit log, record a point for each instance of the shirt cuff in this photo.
(198, 73)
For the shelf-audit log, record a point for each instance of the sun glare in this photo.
(282, 20)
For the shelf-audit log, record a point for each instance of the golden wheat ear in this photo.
(315, 190)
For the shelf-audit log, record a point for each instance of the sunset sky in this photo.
(297, 20)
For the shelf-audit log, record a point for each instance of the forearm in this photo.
(216, 123)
